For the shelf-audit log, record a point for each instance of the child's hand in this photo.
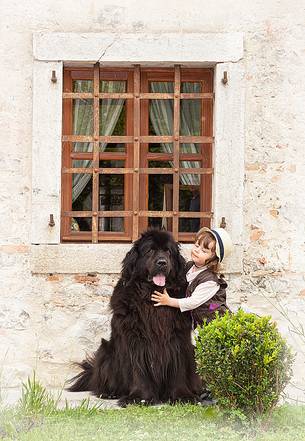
(162, 299)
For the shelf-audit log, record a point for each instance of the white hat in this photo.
(224, 245)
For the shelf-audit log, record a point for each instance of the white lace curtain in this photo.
(110, 110)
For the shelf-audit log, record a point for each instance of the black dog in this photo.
(149, 357)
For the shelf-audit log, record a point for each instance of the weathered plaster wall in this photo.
(48, 320)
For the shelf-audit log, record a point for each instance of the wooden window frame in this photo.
(136, 141)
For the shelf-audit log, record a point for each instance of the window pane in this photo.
(112, 114)
(160, 148)
(161, 223)
(111, 147)
(190, 117)
(85, 86)
(111, 192)
(189, 200)
(82, 191)
(191, 87)
(161, 112)
(83, 117)
(190, 164)
(189, 192)
(161, 117)
(82, 147)
(81, 163)
(189, 197)
(160, 192)
(161, 87)
(160, 164)
(110, 86)
(111, 224)
(81, 224)
(112, 118)
(189, 225)
(190, 148)
(112, 164)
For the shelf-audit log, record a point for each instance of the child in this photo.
(206, 292)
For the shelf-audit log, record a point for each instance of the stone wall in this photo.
(49, 319)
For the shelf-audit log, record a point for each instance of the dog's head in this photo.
(154, 257)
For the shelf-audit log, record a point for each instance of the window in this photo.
(137, 152)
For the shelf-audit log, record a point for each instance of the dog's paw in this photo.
(126, 400)
(187, 398)
(105, 396)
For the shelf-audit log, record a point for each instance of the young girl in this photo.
(206, 292)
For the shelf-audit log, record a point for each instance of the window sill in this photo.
(102, 258)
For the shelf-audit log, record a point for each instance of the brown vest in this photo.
(217, 303)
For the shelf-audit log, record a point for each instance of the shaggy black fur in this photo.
(149, 356)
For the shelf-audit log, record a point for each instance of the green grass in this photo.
(149, 423)
(37, 418)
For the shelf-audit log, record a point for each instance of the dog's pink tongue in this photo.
(159, 280)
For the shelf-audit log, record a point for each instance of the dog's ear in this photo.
(129, 264)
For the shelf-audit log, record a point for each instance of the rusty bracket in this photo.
(51, 222)
(54, 77)
(223, 223)
(225, 78)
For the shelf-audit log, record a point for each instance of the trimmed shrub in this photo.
(243, 361)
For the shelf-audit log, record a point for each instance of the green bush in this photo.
(243, 361)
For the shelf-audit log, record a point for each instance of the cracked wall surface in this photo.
(48, 320)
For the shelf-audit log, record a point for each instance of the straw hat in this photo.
(224, 245)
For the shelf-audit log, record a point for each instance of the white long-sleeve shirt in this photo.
(201, 294)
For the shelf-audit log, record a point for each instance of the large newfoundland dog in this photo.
(149, 357)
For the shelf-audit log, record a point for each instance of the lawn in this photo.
(179, 422)
(41, 416)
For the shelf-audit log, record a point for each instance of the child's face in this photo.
(201, 254)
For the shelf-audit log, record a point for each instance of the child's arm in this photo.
(202, 293)
(164, 299)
